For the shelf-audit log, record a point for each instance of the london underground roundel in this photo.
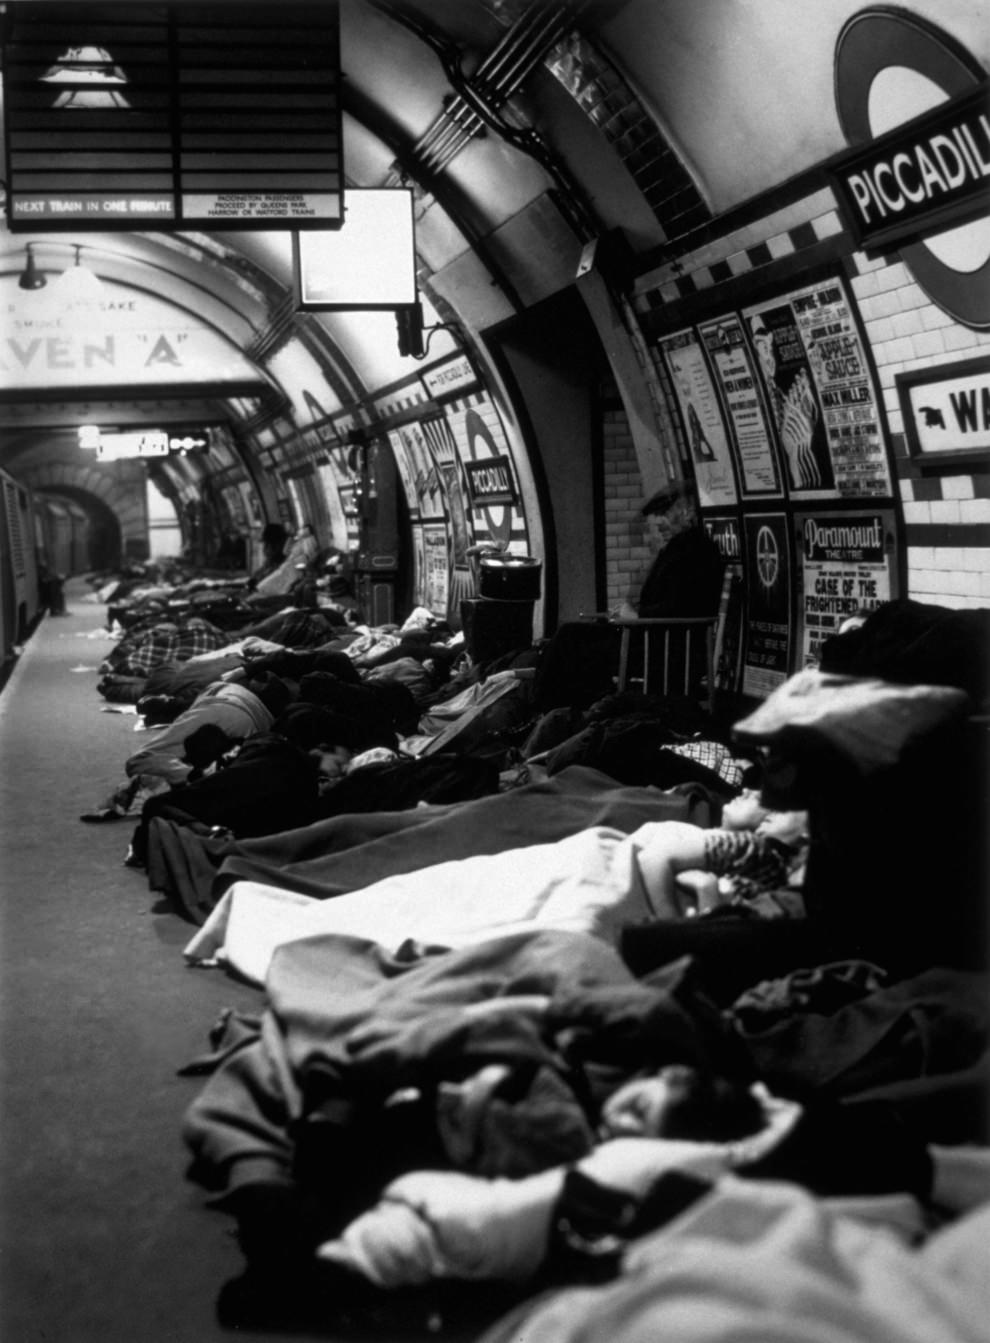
(890, 67)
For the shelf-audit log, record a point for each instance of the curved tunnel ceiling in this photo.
(502, 210)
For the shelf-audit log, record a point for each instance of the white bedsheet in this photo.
(588, 882)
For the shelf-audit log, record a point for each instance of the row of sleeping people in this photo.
(589, 1012)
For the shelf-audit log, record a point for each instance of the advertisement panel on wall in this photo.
(443, 450)
(417, 470)
(252, 504)
(818, 384)
(436, 571)
(351, 514)
(335, 506)
(732, 364)
(234, 504)
(122, 338)
(299, 506)
(702, 418)
(768, 603)
(845, 566)
(726, 533)
(407, 472)
(419, 565)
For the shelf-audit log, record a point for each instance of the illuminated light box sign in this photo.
(919, 178)
(195, 115)
(141, 443)
(368, 263)
(114, 446)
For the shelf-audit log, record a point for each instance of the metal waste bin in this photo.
(509, 578)
(499, 619)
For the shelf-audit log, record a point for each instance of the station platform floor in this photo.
(102, 1239)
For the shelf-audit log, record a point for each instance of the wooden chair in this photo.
(668, 664)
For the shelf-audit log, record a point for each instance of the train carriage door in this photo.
(18, 548)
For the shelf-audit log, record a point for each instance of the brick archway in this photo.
(116, 490)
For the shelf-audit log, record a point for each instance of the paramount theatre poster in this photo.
(846, 567)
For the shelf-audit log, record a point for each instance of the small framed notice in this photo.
(946, 412)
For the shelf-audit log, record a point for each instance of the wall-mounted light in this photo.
(91, 72)
(31, 277)
(76, 282)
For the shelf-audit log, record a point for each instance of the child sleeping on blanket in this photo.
(595, 881)
(754, 861)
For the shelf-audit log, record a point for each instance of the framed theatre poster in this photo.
(819, 387)
(846, 566)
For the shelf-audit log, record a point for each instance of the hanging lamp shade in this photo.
(90, 71)
(78, 281)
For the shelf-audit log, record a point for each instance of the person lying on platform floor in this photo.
(599, 880)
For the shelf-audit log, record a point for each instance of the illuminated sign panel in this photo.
(140, 443)
(369, 263)
(115, 445)
(192, 115)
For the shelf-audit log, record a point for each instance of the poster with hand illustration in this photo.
(821, 393)
(793, 399)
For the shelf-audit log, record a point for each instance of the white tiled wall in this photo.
(626, 551)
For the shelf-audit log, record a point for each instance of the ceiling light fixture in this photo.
(91, 72)
(78, 281)
(31, 277)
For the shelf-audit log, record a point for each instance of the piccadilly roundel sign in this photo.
(914, 106)
(929, 174)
